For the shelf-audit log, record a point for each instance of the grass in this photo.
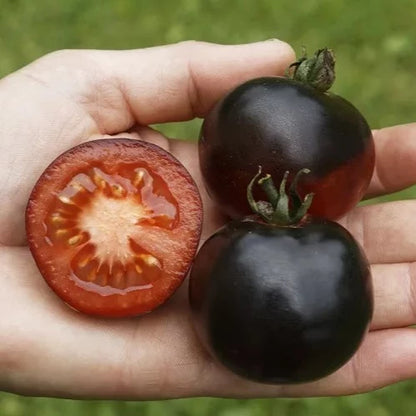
(398, 399)
(374, 41)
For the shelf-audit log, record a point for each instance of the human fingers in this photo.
(385, 357)
(160, 84)
(48, 349)
(386, 231)
(395, 159)
(394, 295)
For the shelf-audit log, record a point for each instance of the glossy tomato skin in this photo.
(284, 125)
(113, 226)
(281, 304)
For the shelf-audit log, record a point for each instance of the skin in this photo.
(70, 97)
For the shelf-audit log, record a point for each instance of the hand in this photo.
(70, 97)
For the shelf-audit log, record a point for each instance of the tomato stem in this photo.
(317, 72)
(268, 186)
(282, 208)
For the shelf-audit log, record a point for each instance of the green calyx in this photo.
(317, 72)
(283, 208)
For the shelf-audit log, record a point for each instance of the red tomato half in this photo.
(114, 225)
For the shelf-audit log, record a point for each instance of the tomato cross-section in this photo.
(113, 226)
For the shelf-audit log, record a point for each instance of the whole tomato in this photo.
(287, 124)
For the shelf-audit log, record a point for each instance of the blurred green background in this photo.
(376, 61)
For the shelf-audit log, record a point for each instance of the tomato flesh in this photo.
(113, 226)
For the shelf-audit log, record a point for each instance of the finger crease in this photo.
(355, 367)
(193, 91)
(411, 276)
(125, 98)
(380, 175)
(355, 222)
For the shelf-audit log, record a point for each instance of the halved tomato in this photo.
(114, 225)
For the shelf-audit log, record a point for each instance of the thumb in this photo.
(155, 85)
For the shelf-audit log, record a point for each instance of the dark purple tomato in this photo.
(281, 304)
(285, 125)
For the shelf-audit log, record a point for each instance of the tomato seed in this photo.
(138, 177)
(65, 200)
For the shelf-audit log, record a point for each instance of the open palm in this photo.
(70, 97)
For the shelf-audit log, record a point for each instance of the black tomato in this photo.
(281, 304)
(285, 125)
